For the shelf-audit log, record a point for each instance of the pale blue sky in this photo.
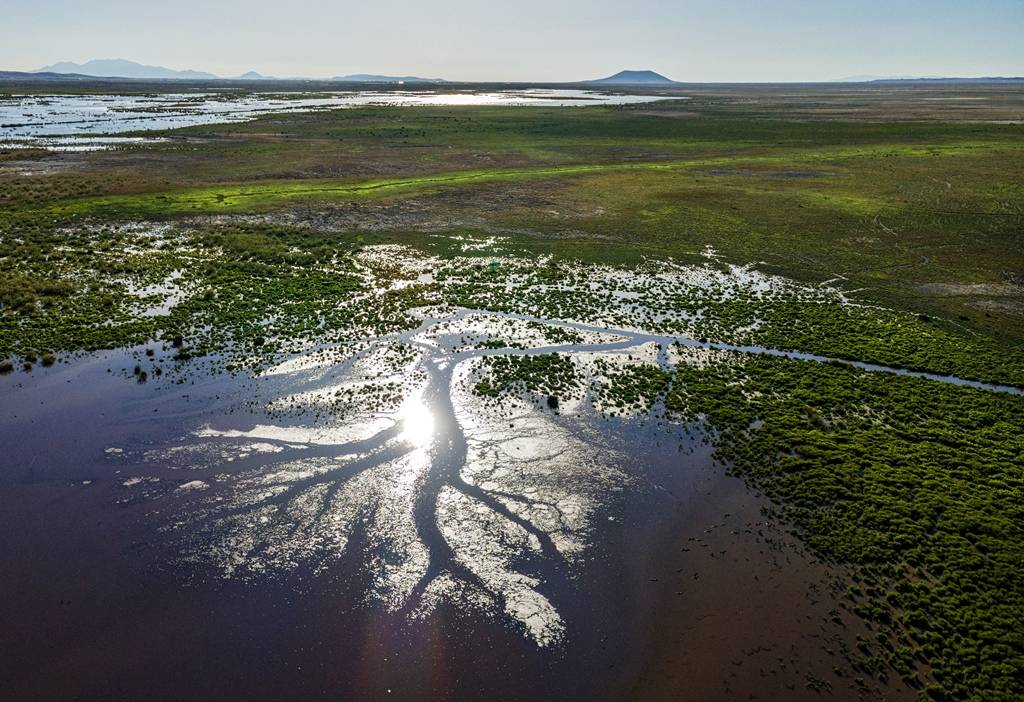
(529, 40)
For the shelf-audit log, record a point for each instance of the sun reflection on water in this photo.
(417, 421)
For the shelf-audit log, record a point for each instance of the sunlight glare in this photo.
(417, 421)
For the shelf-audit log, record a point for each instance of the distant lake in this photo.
(81, 122)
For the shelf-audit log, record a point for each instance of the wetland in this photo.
(456, 394)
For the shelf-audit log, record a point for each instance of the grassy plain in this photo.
(923, 213)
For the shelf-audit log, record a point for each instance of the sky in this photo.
(527, 40)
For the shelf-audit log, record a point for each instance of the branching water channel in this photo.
(450, 497)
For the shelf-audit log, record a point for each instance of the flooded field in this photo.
(383, 485)
(504, 477)
(200, 578)
(74, 122)
(459, 402)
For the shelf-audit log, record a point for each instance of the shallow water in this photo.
(436, 542)
(357, 522)
(667, 340)
(682, 585)
(72, 122)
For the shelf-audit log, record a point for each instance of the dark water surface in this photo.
(687, 592)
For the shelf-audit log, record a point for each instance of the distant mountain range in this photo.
(931, 79)
(634, 78)
(121, 68)
(131, 70)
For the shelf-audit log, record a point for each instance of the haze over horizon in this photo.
(689, 40)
